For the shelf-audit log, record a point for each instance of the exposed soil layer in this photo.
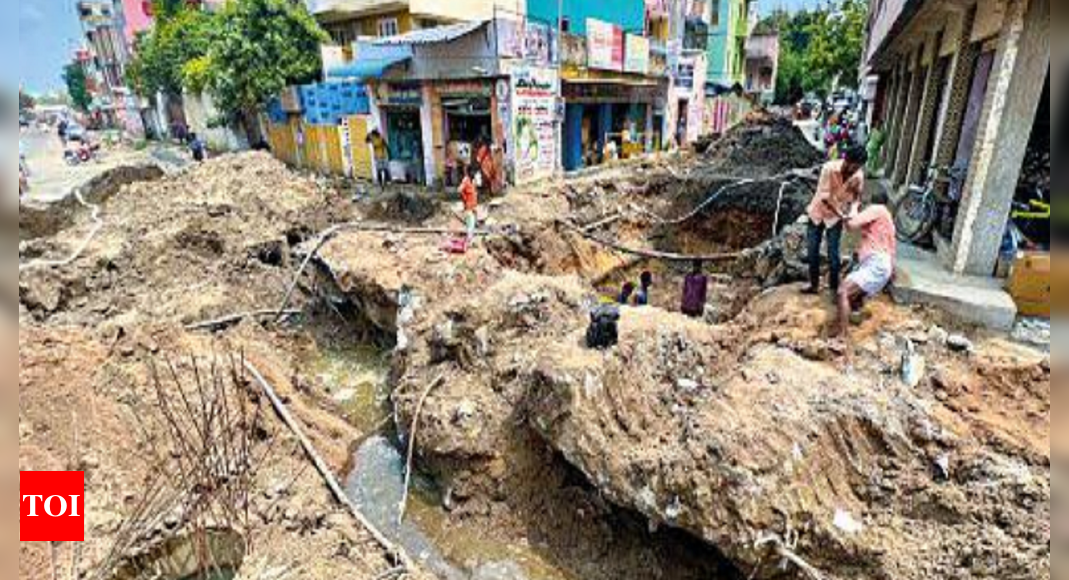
(45, 221)
(669, 456)
(744, 432)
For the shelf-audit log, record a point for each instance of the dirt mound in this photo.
(87, 404)
(41, 221)
(193, 245)
(748, 436)
(763, 146)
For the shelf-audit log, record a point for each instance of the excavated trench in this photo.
(554, 524)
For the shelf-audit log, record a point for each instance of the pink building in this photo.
(137, 15)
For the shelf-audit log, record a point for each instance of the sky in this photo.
(48, 32)
(766, 6)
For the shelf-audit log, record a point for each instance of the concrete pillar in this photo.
(1014, 93)
(909, 120)
(960, 81)
(926, 116)
(895, 112)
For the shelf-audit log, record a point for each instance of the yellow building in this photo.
(347, 20)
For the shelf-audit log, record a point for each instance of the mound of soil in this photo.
(198, 244)
(743, 433)
(763, 145)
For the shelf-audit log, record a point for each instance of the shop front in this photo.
(609, 119)
(400, 114)
(466, 115)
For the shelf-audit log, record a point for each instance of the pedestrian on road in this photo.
(381, 150)
(877, 253)
(841, 186)
(695, 291)
(469, 194)
(61, 128)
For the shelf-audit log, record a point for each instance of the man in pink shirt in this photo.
(877, 252)
(841, 185)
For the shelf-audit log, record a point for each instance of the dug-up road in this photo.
(742, 445)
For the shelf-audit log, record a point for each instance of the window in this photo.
(388, 27)
(714, 17)
(566, 24)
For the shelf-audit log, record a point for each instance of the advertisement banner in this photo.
(534, 122)
(638, 55)
(605, 44)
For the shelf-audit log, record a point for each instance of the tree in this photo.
(258, 48)
(181, 35)
(77, 87)
(818, 48)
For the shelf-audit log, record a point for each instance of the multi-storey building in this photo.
(729, 27)
(349, 20)
(964, 84)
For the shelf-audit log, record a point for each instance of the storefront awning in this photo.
(365, 68)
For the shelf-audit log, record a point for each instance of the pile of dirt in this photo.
(763, 146)
(87, 403)
(748, 436)
(41, 221)
(208, 241)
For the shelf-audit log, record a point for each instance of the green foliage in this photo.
(77, 87)
(197, 74)
(818, 48)
(259, 48)
(181, 35)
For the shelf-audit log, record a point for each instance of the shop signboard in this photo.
(637, 57)
(400, 96)
(605, 45)
(538, 44)
(465, 89)
(535, 125)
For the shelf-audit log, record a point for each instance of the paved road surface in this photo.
(51, 179)
(811, 128)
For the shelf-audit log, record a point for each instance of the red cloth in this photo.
(878, 234)
(469, 194)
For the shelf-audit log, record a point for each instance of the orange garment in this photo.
(878, 234)
(486, 163)
(469, 194)
(835, 191)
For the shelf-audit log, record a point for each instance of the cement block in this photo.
(921, 279)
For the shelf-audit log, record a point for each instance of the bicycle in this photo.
(918, 213)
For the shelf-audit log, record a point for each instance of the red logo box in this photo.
(52, 506)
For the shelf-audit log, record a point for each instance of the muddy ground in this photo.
(695, 449)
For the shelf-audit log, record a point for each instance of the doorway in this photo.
(404, 133)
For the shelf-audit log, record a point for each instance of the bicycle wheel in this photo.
(915, 217)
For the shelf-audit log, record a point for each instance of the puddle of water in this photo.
(358, 380)
(450, 551)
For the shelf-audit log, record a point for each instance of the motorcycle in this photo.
(80, 153)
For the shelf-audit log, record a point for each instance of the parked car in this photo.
(77, 133)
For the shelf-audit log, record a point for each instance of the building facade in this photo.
(729, 27)
(349, 20)
(762, 65)
(963, 84)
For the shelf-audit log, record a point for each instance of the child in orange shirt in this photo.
(469, 193)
